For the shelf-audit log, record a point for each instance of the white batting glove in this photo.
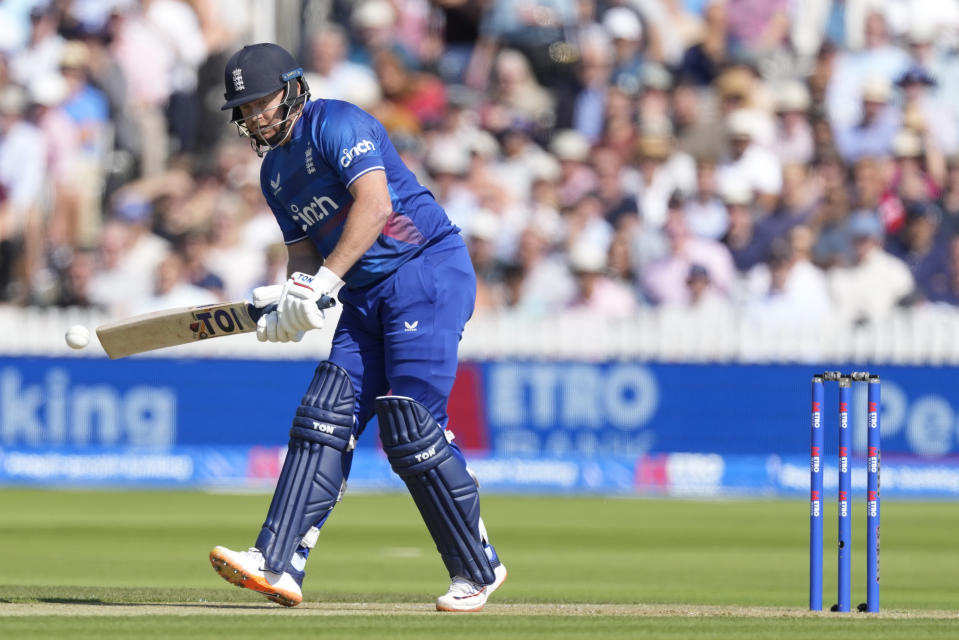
(267, 329)
(296, 309)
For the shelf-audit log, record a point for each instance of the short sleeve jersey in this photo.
(306, 183)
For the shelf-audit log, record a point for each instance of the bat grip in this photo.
(325, 302)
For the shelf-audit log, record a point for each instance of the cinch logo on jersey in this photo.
(318, 209)
(238, 79)
(349, 155)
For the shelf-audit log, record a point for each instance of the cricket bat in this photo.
(183, 325)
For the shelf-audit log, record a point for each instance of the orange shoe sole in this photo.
(240, 578)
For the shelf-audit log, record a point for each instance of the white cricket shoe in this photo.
(465, 595)
(245, 569)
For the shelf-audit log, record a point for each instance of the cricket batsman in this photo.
(360, 228)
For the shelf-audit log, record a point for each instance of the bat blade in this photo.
(172, 327)
(183, 325)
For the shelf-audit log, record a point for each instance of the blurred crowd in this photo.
(784, 159)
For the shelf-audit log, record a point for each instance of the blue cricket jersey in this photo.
(306, 183)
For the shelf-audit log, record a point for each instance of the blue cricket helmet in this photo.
(256, 71)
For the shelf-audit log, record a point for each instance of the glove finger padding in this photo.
(299, 314)
(268, 330)
(263, 296)
(261, 331)
(306, 315)
(272, 327)
(297, 308)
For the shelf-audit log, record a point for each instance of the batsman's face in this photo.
(261, 117)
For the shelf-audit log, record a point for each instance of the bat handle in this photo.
(325, 302)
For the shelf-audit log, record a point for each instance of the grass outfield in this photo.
(134, 564)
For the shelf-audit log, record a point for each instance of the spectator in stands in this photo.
(585, 224)
(875, 282)
(926, 252)
(795, 206)
(460, 31)
(481, 236)
(43, 52)
(543, 202)
(679, 27)
(331, 75)
(534, 29)
(419, 94)
(820, 77)
(619, 127)
(928, 50)
(872, 133)
(448, 163)
(87, 108)
(739, 88)
(831, 247)
(925, 113)
(374, 28)
(877, 59)
(750, 163)
(619, 207)
(237, 262)
(194, 248)
(626, 31)
(754, 26)
(705, 211)
(520, 161)
(172, 287)
(145, 59)
(176, 23)
(517, 91)
(695, 130)
(596, 292)
(118, 284)
(23, 174)
(595, 72)
(867, 182)
(775, 55)
(661, 171)
(664, 280)
(578, 178)
(703, 299)
(540, 281)
(702, 61)
(655, 97)
(794, 142)
(74, 289)
(746, 243)
(786, 288)
(910, 179)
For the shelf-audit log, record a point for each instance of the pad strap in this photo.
(314, 472)
(442, 489)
